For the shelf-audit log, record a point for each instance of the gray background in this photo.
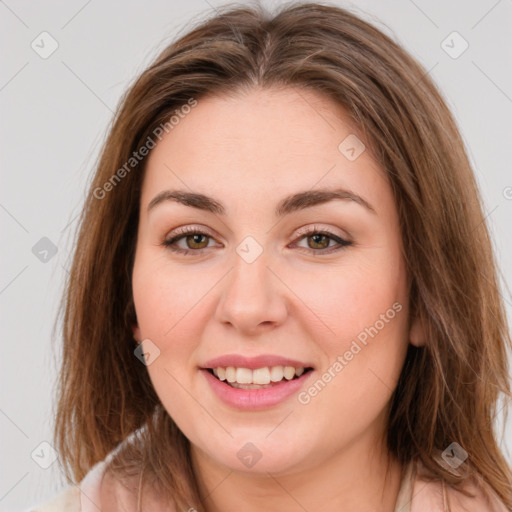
(54, 115)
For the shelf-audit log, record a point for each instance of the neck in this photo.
(363, 477)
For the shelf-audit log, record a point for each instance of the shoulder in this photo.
(101, 490)
(83, 497)
(437, 496)
(66, 501)
(482, 498)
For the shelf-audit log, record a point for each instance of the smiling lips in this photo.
(254, 382)
(258, 376)
(239, 361)
(261, 370)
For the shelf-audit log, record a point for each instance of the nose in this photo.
(254, 298)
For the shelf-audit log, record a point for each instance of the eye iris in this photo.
(194, 238)
(315, 241)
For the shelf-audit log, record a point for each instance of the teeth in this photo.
(230, 374)
(289, 372)
(259, 376)
(243, 376)
(276, 373)
(221, 373)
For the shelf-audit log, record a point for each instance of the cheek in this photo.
(363, 310)
(173, 307)
(166, 298)
(341, 301)
(168, 310)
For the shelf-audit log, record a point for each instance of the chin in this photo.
(259, 458)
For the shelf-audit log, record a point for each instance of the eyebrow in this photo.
(290, 204)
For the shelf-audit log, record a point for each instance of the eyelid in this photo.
(193, 228)
(177, 234)
(305, 230)
(342, 241)
(190, 228)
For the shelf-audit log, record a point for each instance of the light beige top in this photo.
(415, 495)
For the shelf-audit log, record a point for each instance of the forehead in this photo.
(262, 143)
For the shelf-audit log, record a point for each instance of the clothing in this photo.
(415, 495)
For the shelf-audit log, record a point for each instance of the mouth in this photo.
(257, 383)
(258, 378)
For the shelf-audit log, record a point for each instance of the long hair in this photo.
(449, 389)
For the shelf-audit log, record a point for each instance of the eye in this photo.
(197, 240)
(321, 239)
(193, 237)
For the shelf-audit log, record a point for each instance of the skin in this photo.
(249, 151)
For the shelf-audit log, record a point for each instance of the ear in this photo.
(417, 332)
(136, 333)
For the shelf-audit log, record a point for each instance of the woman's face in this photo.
(276, 273)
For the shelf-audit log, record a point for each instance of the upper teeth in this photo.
(259, 375)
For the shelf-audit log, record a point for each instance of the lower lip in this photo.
(253, 399)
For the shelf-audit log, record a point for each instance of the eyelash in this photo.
(314, 231)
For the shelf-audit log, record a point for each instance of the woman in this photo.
(283, 294)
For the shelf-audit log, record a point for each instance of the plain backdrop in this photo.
(55, 110)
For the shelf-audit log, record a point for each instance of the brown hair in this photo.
(449, 389)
